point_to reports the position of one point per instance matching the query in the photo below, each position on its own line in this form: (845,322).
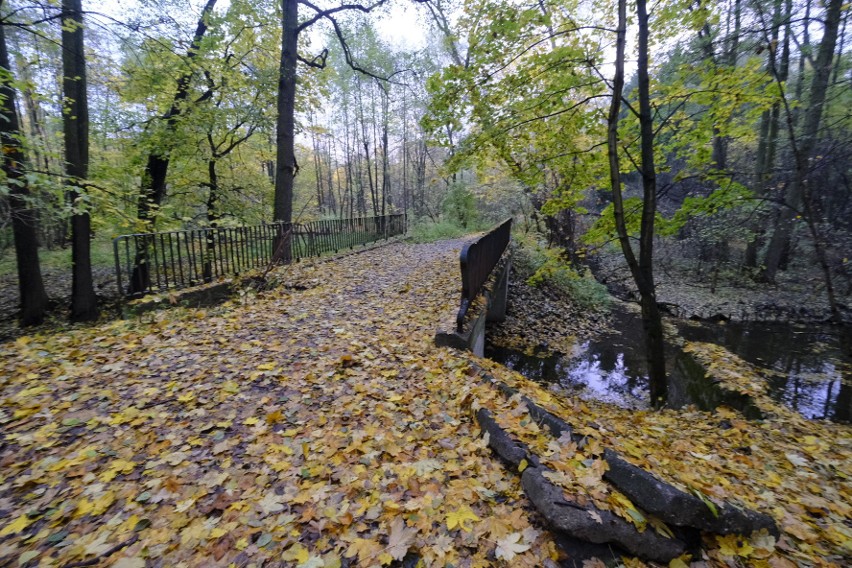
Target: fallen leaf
(458,518)
(400,539)
(510,546)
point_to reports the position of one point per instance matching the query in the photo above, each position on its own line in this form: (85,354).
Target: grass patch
(425,231)
(60,259)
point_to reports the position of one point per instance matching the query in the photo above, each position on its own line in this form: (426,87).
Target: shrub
(460,206)
(548,267)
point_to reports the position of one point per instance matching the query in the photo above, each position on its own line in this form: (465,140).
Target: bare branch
(317,62)
(320,13)
(347,53)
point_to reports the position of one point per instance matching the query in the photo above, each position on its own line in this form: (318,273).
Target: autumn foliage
(316,425)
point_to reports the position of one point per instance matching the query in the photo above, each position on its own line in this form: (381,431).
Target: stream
(812,366)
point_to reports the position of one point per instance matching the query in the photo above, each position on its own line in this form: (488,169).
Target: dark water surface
(813,367)
(813,363)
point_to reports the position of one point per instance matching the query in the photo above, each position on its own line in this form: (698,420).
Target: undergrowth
(427,231)
(545,266)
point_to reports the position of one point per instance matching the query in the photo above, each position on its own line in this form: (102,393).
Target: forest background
(731,159)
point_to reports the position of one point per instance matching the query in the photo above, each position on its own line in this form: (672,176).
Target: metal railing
(478,258)
(171,260)
(318,237)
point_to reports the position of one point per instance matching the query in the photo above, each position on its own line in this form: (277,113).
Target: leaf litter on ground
(319,426)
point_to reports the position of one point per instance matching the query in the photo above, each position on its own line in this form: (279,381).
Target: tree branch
(320,13)
(317,62)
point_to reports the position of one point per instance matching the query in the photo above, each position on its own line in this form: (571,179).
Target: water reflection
(604,375)
(606,370)
(811,368)
(813,365)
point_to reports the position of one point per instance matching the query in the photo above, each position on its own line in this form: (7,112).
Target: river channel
(811,366)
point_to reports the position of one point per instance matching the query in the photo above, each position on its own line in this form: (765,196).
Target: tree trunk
(404,146)
(332,168)
(797,194)
(387,199)
(365,141)
(34,121)
(651,319)
(31,286)
(377,198)
(769,124)
(840,48)
(720,143)
(286,167)
(641,269)
(317,165)
(804,48)
(152,189)
(212,217)
(75,123)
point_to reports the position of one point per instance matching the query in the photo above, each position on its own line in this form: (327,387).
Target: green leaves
(525,93)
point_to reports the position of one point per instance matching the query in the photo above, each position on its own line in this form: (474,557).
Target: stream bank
(599,355)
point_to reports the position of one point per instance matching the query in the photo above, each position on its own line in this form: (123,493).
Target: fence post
(117,264)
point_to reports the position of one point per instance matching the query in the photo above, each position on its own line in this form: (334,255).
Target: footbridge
(485,265)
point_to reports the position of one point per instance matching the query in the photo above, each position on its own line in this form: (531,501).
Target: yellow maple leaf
(194,532)
(126,415)
(458,518)
(510,546)
(364,549)
(16,526)
(84,507)
(115,467)
(103,502)
(733,545)
(217,532)
(296,552)
(24,412)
